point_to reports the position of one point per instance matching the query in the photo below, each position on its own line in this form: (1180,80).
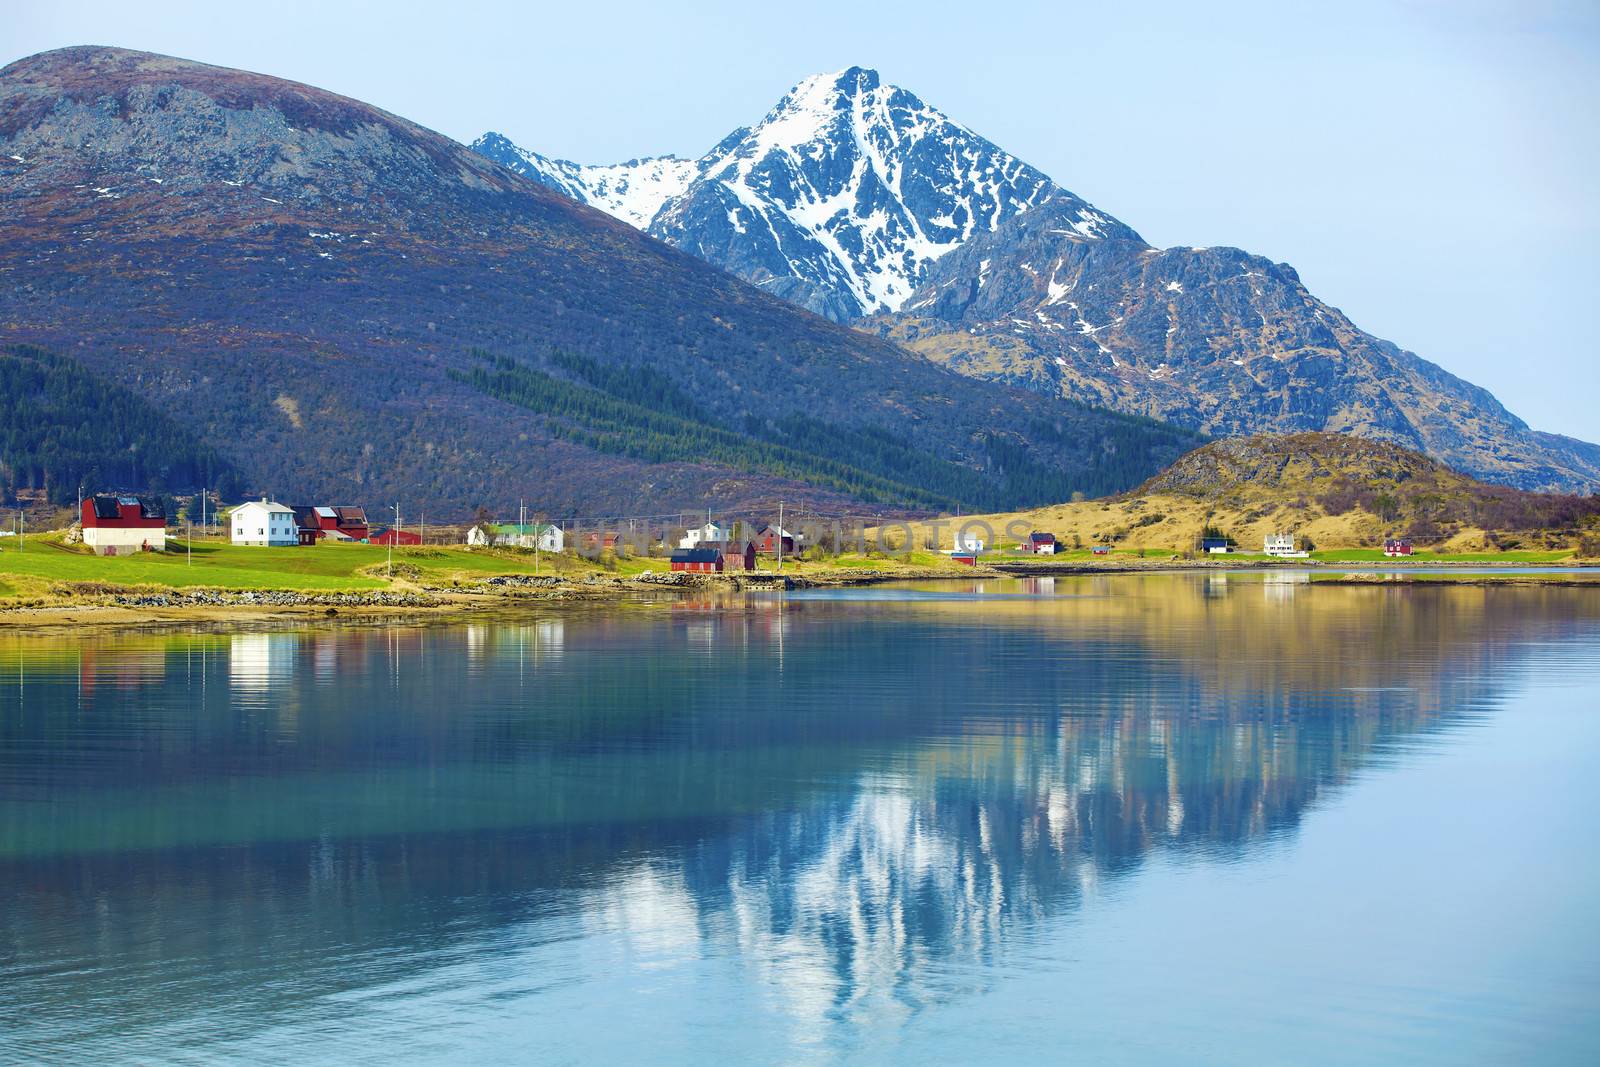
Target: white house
(544,536)
(968,542)
(1282,545)
(263,522)
(709,532)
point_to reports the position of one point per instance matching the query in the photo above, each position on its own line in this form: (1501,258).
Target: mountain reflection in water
(866,806)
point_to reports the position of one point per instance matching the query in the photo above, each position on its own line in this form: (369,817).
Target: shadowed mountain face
(1212,338)
(344,302)
(854,198)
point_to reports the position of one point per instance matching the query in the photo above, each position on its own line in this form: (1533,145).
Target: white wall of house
(969,542)
(121,541)
(709,532)
(263,522)
(1280,545)
(550,538)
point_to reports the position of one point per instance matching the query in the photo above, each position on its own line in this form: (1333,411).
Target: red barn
(1042,544)
(735,558)
(391,536)
(966,559)
(698,560)
(1397,546)
(306,526)
(315,522)
(344,521)
(118,525)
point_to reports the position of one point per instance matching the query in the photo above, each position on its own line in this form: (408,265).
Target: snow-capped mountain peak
(838,199)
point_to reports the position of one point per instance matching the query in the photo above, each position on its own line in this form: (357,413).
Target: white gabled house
(263,522)
(1282,546)
(547,537)
(967,541)
(710,532)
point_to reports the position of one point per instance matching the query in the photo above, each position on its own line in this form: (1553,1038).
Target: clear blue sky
(1428,167)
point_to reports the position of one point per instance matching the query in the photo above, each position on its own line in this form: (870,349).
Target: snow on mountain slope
(838,200)
(633,191)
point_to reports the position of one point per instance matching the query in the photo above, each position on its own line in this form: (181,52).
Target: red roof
(122,512)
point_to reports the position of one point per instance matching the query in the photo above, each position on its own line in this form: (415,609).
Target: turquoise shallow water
(1129,819)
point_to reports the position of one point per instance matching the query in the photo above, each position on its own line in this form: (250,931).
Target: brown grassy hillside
(1334,490)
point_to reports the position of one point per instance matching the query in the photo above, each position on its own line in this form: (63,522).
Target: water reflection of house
(1280,585)
(120,669)
(259,662)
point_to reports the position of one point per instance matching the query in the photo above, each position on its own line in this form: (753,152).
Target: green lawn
(1375,555)
(1075,554)
(219,565)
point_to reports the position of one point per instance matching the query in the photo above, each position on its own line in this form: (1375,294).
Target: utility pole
(779,537)
(392,536)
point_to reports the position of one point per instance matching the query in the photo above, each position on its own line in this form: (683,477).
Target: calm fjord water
(1171,818)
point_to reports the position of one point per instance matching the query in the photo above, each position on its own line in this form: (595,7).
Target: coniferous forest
(63,428)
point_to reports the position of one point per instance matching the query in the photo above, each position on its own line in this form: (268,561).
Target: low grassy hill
(1338,492)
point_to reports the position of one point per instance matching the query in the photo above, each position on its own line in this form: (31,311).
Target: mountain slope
(313,278)
(1212,338)
(851,194)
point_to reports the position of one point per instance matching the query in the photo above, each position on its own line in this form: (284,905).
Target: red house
(306,526)
(1042,544)
(698,560)
(966,559)
(1101,550)
(768,538)
(391,536)
(1397,546)
(118,525)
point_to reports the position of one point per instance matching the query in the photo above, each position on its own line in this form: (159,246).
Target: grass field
(1373,555)
(45,561)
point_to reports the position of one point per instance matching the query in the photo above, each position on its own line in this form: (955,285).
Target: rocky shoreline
(95,604)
